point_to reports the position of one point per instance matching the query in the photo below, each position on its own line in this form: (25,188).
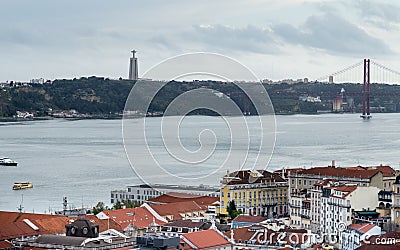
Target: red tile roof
(12,224)
(248,218)
(139,217)
(9,217)
(174,211)
(362,227)
(205,239)
(173,197)
(340,172)
(5,244)
(241,234)
(104,224)
(387,171)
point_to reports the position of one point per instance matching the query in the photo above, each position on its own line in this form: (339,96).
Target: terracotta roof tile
(362,227)
(206,239)
(175,210)
(173,197)
(139,217)
(340,172)
(13,226)
(248,218)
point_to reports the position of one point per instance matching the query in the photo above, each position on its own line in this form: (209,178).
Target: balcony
(339,205)
(269,204)
(304,216)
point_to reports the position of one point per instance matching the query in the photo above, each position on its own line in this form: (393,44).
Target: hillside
(95,95)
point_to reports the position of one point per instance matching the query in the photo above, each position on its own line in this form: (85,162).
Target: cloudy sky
(276,39)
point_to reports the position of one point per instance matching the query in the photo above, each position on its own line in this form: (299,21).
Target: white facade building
(144,192)
(338,202)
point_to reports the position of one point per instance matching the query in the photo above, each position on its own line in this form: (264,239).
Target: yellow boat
(22,185)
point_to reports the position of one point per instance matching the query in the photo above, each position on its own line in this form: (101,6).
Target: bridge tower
(366,90)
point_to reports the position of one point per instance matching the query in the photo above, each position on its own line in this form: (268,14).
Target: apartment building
(340,201)
(260,193)
(305,187)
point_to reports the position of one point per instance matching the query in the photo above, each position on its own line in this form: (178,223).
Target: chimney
(333,163)
(232,238)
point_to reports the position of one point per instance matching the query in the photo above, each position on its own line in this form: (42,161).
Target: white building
(339,201)
(144,192)
(355,234)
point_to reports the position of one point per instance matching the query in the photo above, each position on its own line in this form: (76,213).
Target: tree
(231,209)
(117,205)
(100,206)
(126,204)
(131,204)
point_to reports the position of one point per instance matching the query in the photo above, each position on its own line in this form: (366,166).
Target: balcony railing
(339,205)
(304,216)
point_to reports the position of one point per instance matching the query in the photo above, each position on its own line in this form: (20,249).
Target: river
(85,159)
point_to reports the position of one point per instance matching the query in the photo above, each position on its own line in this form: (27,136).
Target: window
(129,189)
(222,194)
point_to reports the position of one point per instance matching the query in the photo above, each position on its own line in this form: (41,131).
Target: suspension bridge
(366,72)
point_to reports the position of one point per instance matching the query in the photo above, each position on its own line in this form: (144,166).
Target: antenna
(20,208)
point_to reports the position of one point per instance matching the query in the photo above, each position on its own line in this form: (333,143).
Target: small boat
(22,185)
(7,162)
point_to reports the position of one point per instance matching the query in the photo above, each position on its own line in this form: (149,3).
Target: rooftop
(340,172)
(173,197)
(248,218)
(364,228)
(204,239)
(16,225)
(250,177)
(138,217)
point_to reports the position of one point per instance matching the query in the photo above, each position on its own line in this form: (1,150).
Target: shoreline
(107,117)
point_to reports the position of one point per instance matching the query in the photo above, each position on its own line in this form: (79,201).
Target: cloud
(332,34)
(227,38)
(380,14)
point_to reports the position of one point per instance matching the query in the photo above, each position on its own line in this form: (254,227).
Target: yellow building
(258,192)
